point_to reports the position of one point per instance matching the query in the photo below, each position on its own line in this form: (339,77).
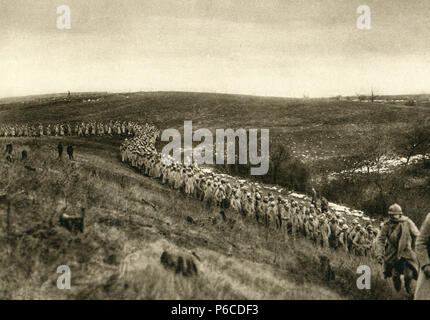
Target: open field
(315,129)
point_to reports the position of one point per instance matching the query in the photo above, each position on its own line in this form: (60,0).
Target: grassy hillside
(125,233)
(319,132)
(118,256)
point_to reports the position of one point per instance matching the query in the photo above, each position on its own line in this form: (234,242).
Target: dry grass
(236,260)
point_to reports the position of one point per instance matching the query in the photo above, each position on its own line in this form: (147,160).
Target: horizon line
(207,92)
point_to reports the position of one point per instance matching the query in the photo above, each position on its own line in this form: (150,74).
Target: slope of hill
(130,220)
(127,227)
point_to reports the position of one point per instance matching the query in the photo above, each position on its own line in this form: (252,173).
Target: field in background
(314,129)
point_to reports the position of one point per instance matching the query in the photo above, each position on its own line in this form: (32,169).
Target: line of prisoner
(93,128)
(391,244)
(248,199)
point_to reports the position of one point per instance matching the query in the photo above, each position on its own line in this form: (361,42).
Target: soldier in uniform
(324,232)
(294,219)
(60,150)
(343,237)
(314,198)
(235,203)
(248,207)
(266,213)
(351,235)
(324,205)
(334,233)
(258,207)
(40,130)
(359,242)
(70,152)
(208,195)
(422,291)
(394,248)
(280,212)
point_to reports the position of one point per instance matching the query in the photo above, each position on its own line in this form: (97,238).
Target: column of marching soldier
(391,244)
(93,128)
(250,200)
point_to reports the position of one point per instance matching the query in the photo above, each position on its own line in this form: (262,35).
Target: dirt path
(102,153)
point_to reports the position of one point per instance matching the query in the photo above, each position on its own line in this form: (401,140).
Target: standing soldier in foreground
(394,248)
(423,251)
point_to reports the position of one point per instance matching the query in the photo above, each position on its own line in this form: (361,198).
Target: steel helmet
(395,209)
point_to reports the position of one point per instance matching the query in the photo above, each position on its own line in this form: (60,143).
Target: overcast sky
(271,47)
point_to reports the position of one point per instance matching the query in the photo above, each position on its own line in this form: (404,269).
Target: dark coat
(395,241)
(422,291)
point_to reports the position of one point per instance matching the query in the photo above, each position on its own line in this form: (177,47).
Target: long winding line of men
(248,199)
(392,244)
(93,128)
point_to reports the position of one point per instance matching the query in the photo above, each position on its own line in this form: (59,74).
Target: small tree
(278,154)
(415,142)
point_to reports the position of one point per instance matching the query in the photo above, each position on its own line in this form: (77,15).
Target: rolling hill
(314,129)
(123,231)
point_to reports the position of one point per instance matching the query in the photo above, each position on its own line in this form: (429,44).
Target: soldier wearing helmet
(235,202)
(334,233)
(351,234)
(248,206)
(324,232)
(343,237)
(394,248)
(258,204)
(360,242)
(314,197)
(423,250)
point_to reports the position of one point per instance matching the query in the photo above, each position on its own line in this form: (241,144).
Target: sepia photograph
(234,152)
